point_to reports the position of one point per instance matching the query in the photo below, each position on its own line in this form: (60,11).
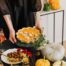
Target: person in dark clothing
(15,14)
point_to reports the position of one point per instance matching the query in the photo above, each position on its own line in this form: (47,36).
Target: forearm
(37,15)
(37,19)
(8,21)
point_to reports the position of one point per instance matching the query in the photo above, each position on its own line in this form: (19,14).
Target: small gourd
(47,7)
(42,62)
(59,63)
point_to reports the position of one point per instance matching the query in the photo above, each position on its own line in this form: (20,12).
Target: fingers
(39,28)
(12,39)
(12,36)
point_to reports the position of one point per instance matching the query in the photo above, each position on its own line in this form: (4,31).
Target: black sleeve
(3,8)
(35,5)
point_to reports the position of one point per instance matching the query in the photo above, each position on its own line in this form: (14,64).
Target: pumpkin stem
(44,57)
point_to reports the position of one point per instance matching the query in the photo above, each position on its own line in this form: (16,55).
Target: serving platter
(36,44)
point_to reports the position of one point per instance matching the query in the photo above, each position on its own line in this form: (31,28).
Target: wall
(47,23)
(63,4)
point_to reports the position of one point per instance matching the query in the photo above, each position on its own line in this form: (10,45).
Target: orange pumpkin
(2,38)
(53,1)
(54,4)
(42,62)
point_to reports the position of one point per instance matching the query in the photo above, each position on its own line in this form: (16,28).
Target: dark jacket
(21,12)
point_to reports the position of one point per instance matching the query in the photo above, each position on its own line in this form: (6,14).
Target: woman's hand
(37,25)
(12,36)
(38,21)
(8,21)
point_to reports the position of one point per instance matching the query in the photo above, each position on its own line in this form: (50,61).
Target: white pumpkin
(63,63)
(53,52)
(59,63)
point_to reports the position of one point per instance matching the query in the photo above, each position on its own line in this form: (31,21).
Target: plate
(4,58)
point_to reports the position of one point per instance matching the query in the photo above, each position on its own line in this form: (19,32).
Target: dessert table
(36,54)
